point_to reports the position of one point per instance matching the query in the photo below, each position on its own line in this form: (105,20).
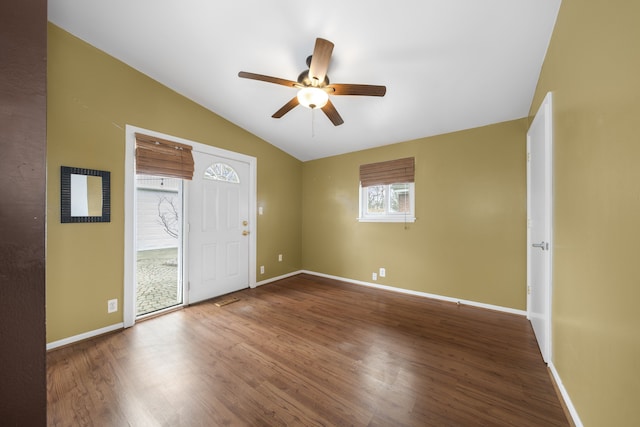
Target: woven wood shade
(390,172)
(156,156)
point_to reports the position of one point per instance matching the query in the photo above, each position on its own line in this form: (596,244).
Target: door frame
(129,297)
(545,113)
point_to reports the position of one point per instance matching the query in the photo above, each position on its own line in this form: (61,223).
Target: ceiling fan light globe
(313,97)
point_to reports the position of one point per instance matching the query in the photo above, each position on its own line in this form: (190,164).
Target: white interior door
(218,227)
(539,232)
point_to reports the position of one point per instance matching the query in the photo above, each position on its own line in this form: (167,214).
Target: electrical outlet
(262,269)
(280,257)
(374,276)
(383,272)
(112,306)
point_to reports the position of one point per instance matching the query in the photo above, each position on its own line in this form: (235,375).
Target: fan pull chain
(313,121)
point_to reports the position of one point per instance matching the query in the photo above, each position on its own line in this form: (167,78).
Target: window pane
(221,172)
(375,199)
(399,198)
(387,203)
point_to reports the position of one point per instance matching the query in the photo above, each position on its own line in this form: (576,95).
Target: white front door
(218,227)
(539,214)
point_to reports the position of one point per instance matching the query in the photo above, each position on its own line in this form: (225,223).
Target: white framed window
(388,203)
(222,172)
(387,191)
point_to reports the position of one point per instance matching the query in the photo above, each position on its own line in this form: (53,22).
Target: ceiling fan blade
(331,112)
(286,108)
(362,90)
(269,79)
(320,60)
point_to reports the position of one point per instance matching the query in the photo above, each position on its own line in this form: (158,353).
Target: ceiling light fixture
(314,87)
(313,97)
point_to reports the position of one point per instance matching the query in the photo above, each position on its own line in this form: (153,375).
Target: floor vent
(227,301)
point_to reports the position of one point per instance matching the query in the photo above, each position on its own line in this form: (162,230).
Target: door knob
(245,233)
(541,245)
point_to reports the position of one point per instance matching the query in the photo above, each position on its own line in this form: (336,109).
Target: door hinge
(528,223)
(528,290)
(528,157)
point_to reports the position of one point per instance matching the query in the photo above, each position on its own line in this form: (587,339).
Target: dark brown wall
(23,50)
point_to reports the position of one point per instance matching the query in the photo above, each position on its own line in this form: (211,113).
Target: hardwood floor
(309,351)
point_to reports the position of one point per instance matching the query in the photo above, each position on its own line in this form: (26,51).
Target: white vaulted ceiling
(448,65)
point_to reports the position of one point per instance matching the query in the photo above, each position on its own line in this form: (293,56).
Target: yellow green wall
(593,69)
(469,240)
(91,98)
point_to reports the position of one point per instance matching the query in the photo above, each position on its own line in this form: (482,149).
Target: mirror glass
(85,195)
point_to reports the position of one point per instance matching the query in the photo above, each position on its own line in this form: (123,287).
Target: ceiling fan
(314,87)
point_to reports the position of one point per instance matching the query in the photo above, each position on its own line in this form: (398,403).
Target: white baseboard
(84,336)
(556,376)
(565,396)
(420,294)
(107,329)
(275,279)
(91,334)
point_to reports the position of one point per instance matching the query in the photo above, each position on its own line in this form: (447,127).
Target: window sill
(388,219)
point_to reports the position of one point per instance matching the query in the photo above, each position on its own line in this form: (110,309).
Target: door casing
(129,297)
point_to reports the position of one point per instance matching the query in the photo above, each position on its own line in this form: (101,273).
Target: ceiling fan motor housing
(307,81)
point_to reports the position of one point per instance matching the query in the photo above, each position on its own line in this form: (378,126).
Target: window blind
(389,172)
(156,156)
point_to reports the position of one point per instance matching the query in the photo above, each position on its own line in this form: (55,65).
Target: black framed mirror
(85,195)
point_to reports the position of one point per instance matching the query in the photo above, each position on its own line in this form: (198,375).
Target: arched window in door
(222,172)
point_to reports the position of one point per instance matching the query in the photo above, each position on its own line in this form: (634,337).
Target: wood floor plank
(309,351)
